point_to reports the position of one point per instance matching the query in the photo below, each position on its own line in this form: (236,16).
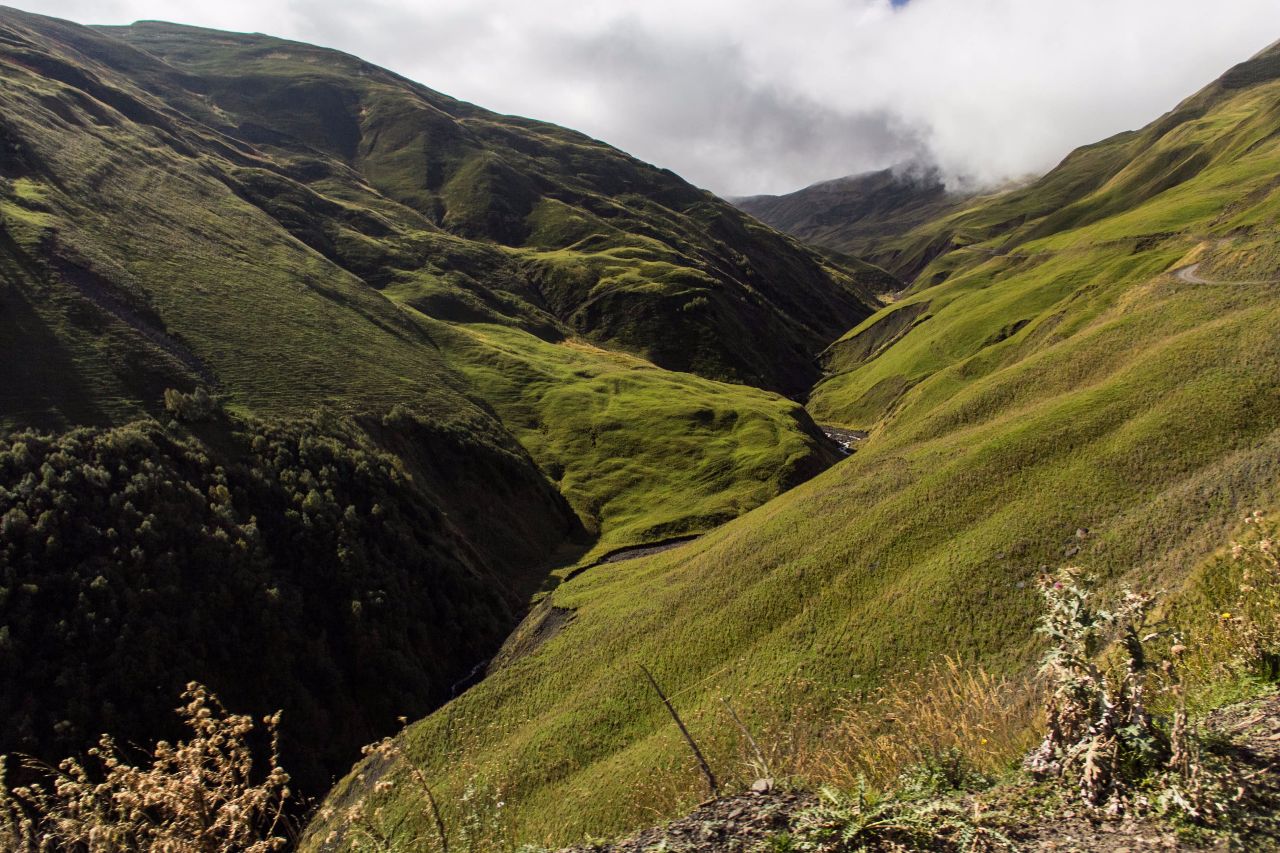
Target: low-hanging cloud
(772,95)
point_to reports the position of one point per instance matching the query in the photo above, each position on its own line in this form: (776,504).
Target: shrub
(192,408)
(869,820)
(1100,735)
(1254,626)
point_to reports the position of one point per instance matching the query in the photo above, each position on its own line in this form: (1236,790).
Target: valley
(154,235)
(416,421)
(1055,378)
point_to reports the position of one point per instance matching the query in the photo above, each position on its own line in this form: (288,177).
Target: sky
(767,96)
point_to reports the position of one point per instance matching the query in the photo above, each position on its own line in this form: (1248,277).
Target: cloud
(771,95)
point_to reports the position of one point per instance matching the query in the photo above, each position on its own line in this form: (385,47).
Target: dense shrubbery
(288,565)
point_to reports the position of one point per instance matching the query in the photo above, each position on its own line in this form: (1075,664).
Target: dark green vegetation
(294,564)
(865,215)
(395,292)
(1048,390)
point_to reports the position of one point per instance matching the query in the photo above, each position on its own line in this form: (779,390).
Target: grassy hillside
(1048,391)
(609,247)
(1195,186)
(321,243)
(138,267)
(642,454)
(143,248)
(296,228)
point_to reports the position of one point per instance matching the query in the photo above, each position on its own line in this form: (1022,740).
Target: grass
(1059,394)
(198,264)
(1066,400)
(314,270)
(427,162)
(606,427)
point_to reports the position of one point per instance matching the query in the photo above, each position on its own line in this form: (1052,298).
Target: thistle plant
(1098,730)
(870,820)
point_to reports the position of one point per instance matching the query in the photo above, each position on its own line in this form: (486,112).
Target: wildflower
(1225,615)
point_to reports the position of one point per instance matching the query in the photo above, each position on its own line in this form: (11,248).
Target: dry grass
(945,712)
(947,715)
(197,796)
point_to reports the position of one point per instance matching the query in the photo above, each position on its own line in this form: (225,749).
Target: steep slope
(863,215)
(1200,137)
(640,453)
(348,572)
(1196,185)
(169,226)
(144,249)
(1061,394)
(123,242)
(608,246)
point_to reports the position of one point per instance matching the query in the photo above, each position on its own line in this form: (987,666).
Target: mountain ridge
(864,214)
(477,195)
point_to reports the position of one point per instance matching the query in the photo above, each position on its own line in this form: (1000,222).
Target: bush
(1101,737)
(138,558)
(1254,626)
(192,408)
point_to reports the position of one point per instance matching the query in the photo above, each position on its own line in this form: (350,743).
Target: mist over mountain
(773,97)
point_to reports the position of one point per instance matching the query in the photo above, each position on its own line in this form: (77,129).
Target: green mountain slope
(864,215)
(395,287)
(572,230)
(146,248)
(1051,389)
(640,453)
(1196,185)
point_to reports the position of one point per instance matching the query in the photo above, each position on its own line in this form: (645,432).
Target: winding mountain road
(1190,275)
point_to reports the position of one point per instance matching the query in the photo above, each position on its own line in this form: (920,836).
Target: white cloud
(769,95)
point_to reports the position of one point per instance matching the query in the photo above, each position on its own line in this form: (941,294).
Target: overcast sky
(751,96)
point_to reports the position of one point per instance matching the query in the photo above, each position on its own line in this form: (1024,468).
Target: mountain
(462,213)
(1087,371)
(1192,186)
(310,375)
(863,215)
